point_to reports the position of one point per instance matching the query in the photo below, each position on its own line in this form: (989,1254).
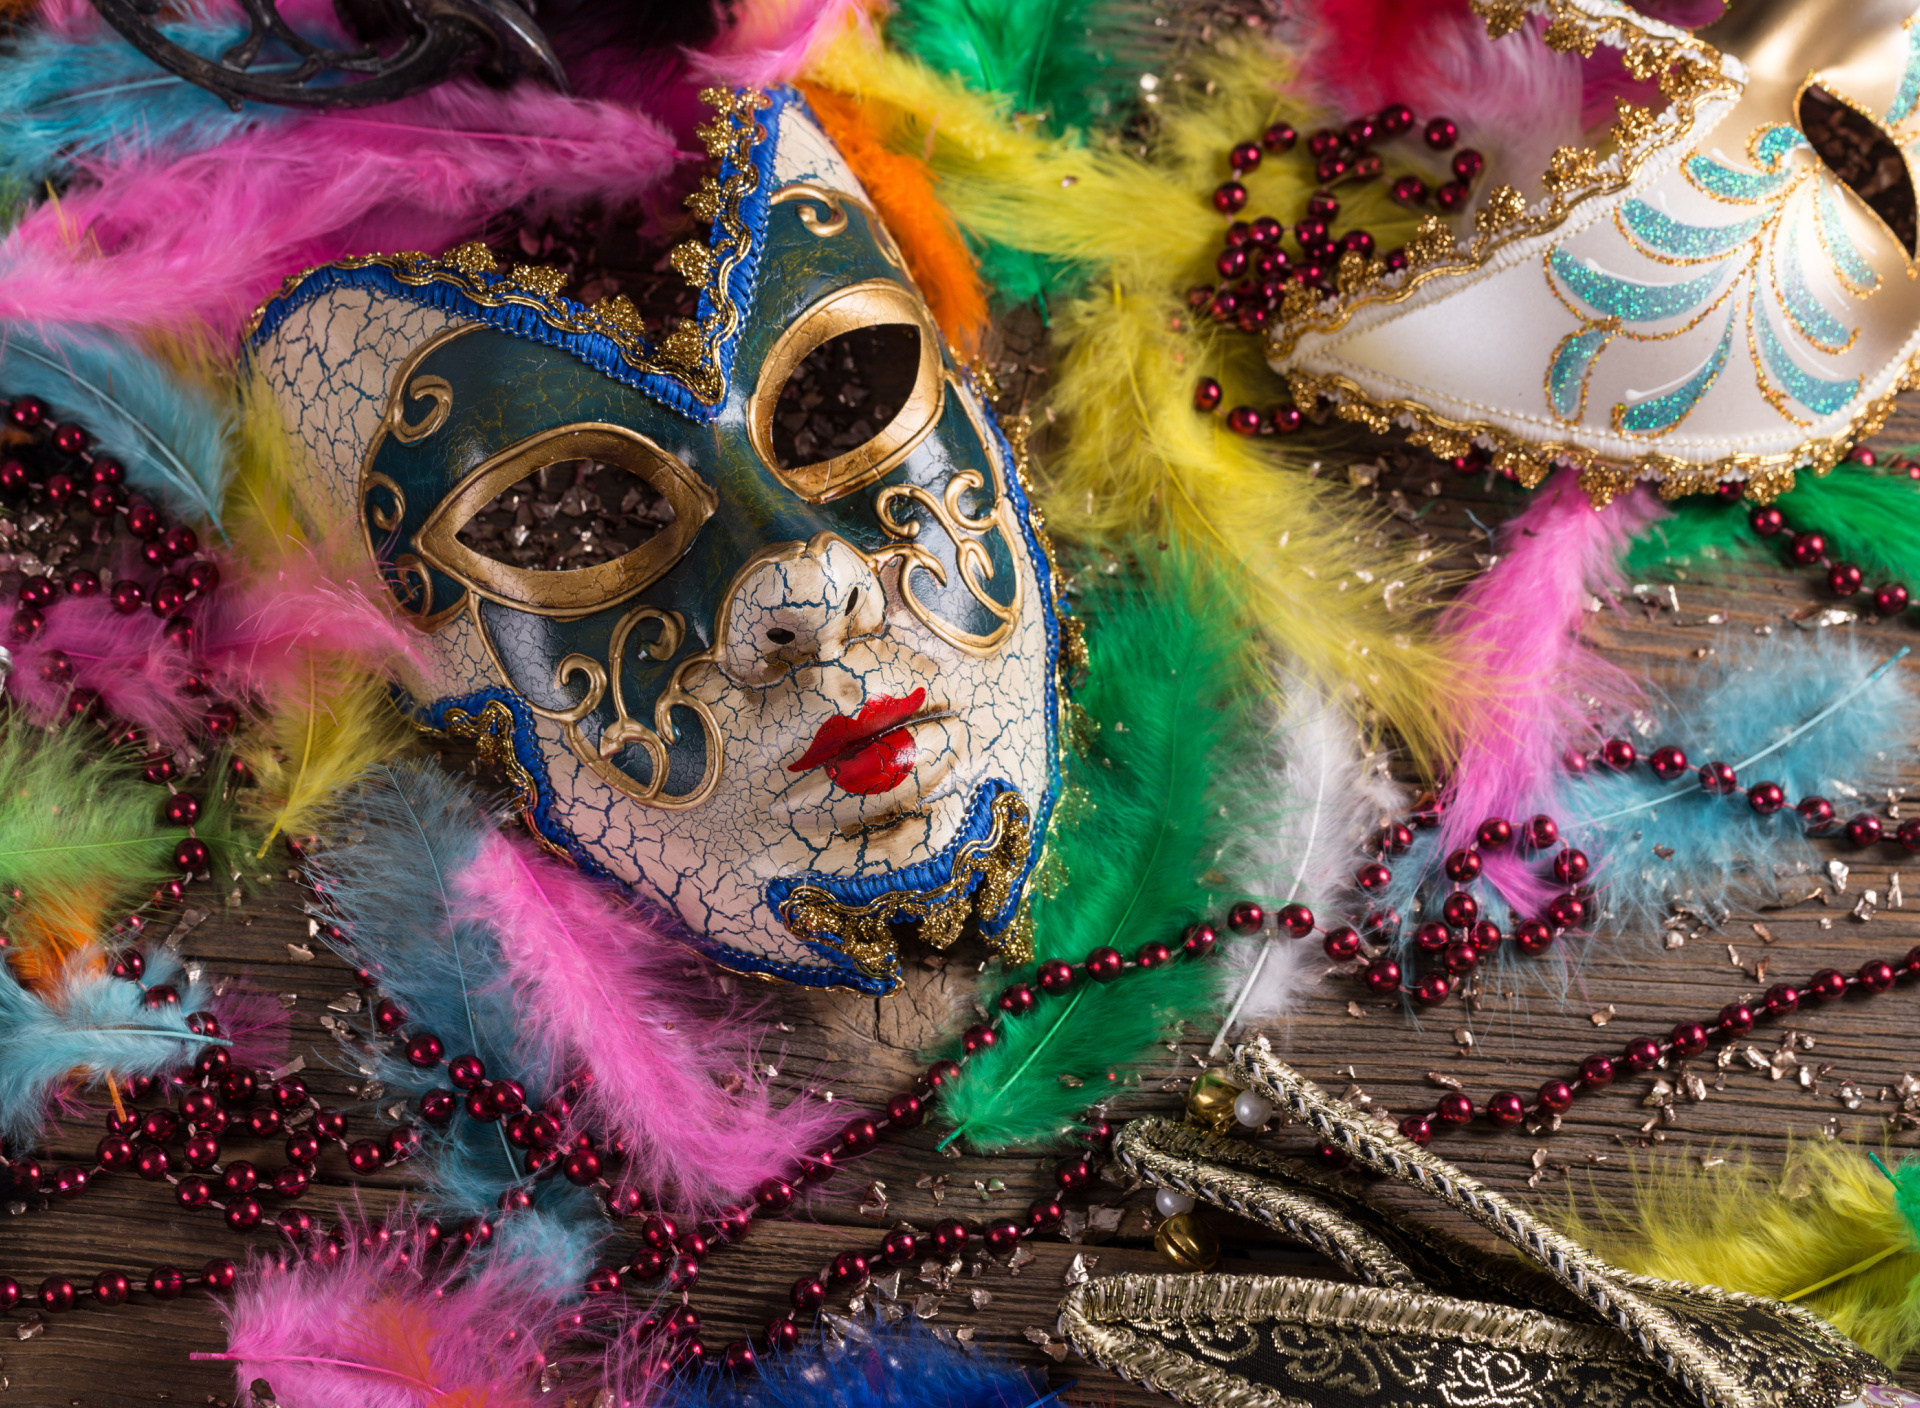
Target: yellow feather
(1129,455)
(1827,1220)
(335,719)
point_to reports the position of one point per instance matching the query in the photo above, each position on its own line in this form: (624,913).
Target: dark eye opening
(1862,155)
(845,392)
(568,514)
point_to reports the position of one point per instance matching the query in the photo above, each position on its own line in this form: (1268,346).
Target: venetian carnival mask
(1697,298)
(805,696)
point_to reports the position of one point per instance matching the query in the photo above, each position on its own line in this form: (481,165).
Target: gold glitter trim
(1766,476)
(491,733)
(865,932)
(690,353)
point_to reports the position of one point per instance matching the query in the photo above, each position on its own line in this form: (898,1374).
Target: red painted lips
(870,752)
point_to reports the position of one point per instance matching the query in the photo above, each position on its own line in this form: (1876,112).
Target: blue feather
(906,1366)
(414,829)
(98,1026)
(1754,697)
(171,435)
(65,102)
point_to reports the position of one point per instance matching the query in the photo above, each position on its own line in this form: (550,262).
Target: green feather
(1143,820)
(82,838)
(1868,516)
(1699,538)
(1077,63)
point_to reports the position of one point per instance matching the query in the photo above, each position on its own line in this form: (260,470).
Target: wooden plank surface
(864,1049)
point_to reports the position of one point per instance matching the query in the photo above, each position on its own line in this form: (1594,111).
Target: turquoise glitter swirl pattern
(1784,220)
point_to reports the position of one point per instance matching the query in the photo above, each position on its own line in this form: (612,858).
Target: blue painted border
(594,349)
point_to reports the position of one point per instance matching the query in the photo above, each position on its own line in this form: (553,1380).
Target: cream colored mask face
(1698,298)
(812,709)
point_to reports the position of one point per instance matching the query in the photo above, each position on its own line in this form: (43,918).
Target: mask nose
(800,604)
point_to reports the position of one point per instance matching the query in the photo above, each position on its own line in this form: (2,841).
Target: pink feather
(1520,625)
(255,1022)
(199,242)
(1514,99)
(259,638)
(599,978)
(771,42)
(367,1330)
(126,659)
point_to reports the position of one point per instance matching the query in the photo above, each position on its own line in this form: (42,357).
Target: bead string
(1506,1109)
(1808,547)
(1255,269)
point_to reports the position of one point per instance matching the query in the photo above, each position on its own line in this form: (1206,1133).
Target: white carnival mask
(1699,298)
(804,696)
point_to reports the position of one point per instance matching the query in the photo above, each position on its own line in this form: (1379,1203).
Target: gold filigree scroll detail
(975,563)
(690,353)
(625,729)
(834,201)
(865,932)
(491,733)
(422,388)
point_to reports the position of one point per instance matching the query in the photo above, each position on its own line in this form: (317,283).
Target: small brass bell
(1210,1102)
(1188,1242)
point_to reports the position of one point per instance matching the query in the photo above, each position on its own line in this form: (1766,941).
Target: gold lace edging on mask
(690,353)
(865,932)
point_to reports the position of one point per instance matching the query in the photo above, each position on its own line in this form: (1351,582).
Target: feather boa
(1520,622)
(88,1024)
(507,954)
(1831,1232)
(1144,818)
(401,1326)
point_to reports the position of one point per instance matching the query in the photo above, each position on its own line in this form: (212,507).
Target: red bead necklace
(1254,267)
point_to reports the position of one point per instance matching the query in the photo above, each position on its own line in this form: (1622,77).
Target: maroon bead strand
(1255,269)
(1808,547)
(1507,1109)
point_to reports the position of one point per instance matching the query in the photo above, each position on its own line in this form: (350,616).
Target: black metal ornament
(407,46)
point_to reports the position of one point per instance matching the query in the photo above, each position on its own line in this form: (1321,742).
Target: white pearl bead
(1172,1204)
(1252,1110)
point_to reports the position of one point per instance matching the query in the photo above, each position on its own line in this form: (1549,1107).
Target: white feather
(1326,796)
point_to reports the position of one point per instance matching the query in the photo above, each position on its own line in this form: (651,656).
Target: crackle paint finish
(662,702)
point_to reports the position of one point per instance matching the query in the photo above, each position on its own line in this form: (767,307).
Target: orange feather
(902,189)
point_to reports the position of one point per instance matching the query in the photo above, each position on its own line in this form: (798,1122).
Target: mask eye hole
(844,392)
(568,514)
(814,417)
(1862,155)
(652,503)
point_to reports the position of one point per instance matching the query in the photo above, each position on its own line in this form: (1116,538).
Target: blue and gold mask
(804,695)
